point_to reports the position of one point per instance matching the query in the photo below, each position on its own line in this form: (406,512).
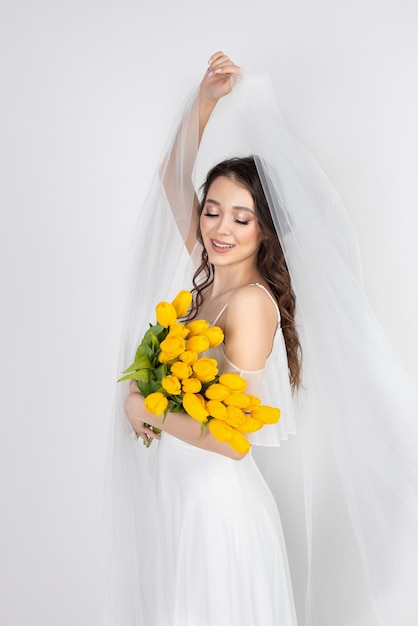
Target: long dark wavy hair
(271,262)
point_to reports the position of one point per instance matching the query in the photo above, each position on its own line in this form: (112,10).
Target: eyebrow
(236,207)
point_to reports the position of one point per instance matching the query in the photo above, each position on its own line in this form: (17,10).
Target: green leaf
(148,387)
(143,375)
(155,343)
(144,388)
(157,329)
(202,428)
(160,371)
(148,351)
(152,336)
(141,362)
(178,405)
(139,352)
(131,376)
(147,340)
(165,413)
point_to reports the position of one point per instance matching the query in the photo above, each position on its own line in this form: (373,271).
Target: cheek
(255,237)
(202,226)
(205,225)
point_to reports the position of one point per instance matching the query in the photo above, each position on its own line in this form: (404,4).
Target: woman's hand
(138,416)
(217,81)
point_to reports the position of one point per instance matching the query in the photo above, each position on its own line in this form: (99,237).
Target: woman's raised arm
(176,172)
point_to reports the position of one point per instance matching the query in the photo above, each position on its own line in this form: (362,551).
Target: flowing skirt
(219,553)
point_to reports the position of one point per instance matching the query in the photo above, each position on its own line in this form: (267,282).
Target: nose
(224,225)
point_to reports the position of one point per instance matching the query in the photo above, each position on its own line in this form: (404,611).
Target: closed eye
(211,214)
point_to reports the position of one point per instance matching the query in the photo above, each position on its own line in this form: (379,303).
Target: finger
(222,62)
(133,387)
(220,59)
(215,56)
(146,438)
(142,436)
(225,70)
(147,432)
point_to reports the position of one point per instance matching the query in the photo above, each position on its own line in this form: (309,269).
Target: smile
(218,245)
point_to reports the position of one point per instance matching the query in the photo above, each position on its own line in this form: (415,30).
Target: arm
(179,425)
(249,337)
(176,172)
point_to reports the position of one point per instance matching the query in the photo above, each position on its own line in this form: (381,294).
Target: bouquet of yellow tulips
(173,377)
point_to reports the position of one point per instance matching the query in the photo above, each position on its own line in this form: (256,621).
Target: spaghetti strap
(251,285)
(219,314)
(270,296)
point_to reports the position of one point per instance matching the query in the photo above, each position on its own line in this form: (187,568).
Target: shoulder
(250,326)
(253,301)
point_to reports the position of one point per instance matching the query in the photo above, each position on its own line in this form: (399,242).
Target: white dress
(221,553)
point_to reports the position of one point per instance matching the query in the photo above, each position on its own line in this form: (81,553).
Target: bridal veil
(347,483)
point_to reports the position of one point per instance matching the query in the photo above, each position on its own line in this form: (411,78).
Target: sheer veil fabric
(347,484)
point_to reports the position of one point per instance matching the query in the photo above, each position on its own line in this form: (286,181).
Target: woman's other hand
(217,80)
(138,416)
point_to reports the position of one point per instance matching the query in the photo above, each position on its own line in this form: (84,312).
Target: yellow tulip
(191,385)
(240,443)
(205,369)
(233,381)
(166,314)
(234,416)
(250,425)
(215,336)
(156,403)
(198,343)
(182,302)
(172,385)
(217,392)
(181,370)
(194,405)
(266,414)
(254,402)
(189,357)
(220,430)
(241,400)
(216,409)
(197,327)
(178,330)
(172,347)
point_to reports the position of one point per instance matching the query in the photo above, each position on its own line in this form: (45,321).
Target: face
(229,225)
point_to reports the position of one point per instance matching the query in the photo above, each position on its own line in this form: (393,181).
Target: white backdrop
(89,88)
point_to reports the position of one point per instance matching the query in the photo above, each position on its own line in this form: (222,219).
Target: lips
(221,246)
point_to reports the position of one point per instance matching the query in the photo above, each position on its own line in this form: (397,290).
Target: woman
(226,520)
(348,488)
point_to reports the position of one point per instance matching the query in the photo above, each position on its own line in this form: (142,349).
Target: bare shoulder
(253,300)
(250,326)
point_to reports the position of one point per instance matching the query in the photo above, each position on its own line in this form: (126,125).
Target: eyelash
(244,223)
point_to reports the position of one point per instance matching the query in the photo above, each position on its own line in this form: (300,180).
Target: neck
(228,279)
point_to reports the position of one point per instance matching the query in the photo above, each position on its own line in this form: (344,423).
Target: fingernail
(209,73)
(218,71)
